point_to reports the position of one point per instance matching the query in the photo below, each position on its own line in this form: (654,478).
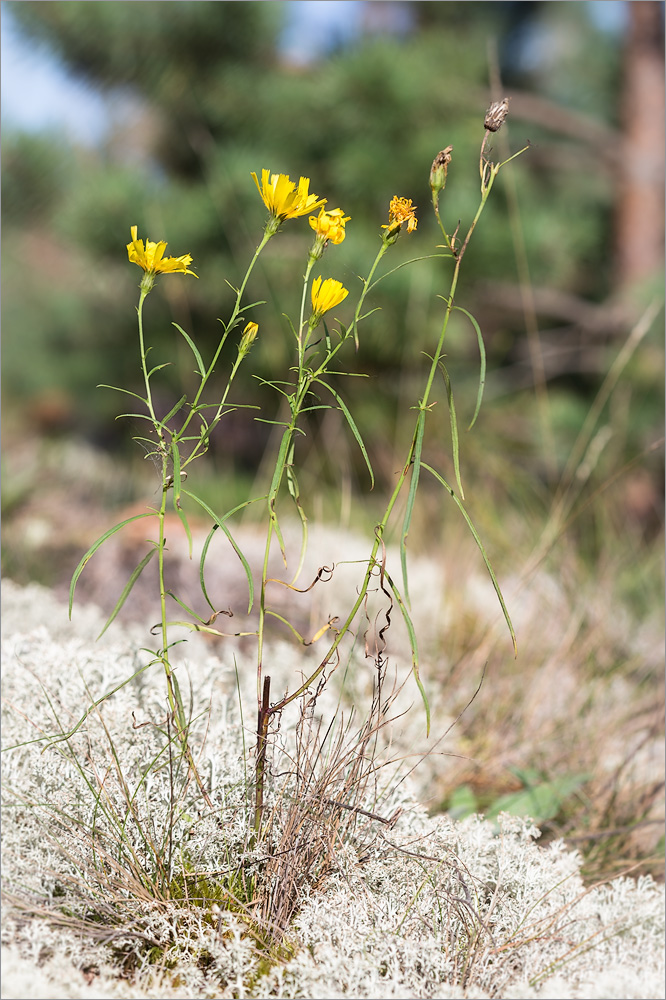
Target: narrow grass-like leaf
(183,518)
(294,492)
(327,336)
(291,325)
(93,549)
(220,521)
(127,392)
(152,451)
(411,631)
(193,348)
(411,497)
(175,455)
(246,308)
(481,549)
(156,850)
(369,313)
(157,368)
(406,263)
(136,573)
(281,460)
(137,416)
(202,563)
(185,607)
(454,427)
(119,822)
(207,630)
(354,429)
(149,441)
(304,642)
(174,409)
(482,366)
(66,735)
(278,534)
(273,383)
(175,686)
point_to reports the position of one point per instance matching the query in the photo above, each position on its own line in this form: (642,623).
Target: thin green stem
(366,288)
(303,343)
(173,693)
(144,367)
(227,330)
(296,401)
(202,444)
(281,463)
(160,565)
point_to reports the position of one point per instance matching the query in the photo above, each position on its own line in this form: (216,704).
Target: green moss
(234,892)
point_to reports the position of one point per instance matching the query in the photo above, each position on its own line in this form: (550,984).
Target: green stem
(303,343)
(447,239)
(296,403)
(173,692)
(366,288)
(144,367)
(304,380)
(202,444)
(227,330)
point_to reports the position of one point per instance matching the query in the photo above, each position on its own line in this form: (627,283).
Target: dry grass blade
(323,805)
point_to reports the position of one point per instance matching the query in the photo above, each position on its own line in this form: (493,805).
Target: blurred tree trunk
(640,211)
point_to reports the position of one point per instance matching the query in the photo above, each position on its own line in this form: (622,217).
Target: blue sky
(38,93)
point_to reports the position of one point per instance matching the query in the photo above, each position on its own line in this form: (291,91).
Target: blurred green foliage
(364,123)
(540,798)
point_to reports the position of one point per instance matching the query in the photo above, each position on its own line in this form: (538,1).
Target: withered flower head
(496,115)
(444,158)
(439,168)
(401,211)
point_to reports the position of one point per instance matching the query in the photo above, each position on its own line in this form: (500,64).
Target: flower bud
(249,335)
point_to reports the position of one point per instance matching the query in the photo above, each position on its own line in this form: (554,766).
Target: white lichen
(422,907)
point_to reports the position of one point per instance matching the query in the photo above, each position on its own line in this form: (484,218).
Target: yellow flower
(283,199)
(330,226)
(401,210)
(325,296)
(152,258)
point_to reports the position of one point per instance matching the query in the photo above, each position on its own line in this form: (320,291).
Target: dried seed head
(496,115)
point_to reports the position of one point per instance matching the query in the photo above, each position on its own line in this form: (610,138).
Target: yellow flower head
(325,295)
(401,211)
(152,259)
(330,226)
(283,199)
